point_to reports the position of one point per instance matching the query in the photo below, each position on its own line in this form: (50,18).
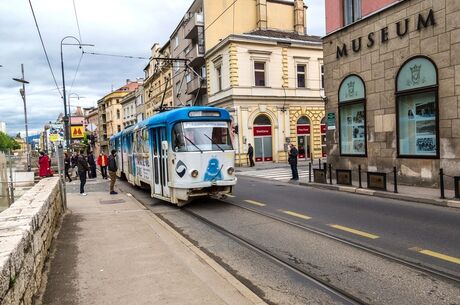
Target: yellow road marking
(255,203)
(441,256)
(231,196)
(357,232)
(296,215)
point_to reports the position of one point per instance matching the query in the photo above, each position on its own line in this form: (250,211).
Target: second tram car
(181,154)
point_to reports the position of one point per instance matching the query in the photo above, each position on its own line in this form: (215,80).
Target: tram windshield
(201,136)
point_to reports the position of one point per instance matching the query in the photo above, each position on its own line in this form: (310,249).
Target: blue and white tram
(181,154)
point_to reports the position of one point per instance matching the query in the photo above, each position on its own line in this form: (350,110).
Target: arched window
(352,116)
(262,120)
(417,109)
(303,121)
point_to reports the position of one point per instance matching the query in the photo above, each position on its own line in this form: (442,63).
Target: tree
(7,142)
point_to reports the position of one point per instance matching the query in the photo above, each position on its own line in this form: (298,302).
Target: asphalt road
(426,234)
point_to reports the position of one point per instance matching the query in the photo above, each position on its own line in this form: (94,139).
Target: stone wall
(26,232)
(378,64)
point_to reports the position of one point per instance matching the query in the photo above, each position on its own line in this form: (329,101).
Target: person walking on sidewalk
(92,165)
(113,171)
(67,166)
(293,152)
(102,161)
(251,155)
(83,167)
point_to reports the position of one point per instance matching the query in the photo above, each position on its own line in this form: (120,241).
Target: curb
(367,192)
(240,287)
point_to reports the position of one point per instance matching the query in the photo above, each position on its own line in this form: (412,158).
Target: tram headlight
(194,173)
(230,170)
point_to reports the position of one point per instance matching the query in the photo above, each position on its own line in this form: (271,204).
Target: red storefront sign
(262,131)
(303,129)
(323,128)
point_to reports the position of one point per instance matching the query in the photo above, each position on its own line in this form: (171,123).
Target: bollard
(330,173)
(319,163)
(395,178)
(309,172)
(325,170)
(441,183)
(359,177)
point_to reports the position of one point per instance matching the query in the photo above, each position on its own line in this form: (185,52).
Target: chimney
(299,17)
(261,9)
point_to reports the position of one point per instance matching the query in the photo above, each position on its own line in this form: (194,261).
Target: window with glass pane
(351,11)
(322,77)
(352,115)
(417,109)
(219,78)
(259,73)
(301,76)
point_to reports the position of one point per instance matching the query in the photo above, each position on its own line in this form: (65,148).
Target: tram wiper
(213,142)
(193,143)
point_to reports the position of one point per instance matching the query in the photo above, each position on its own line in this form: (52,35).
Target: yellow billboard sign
(77,132)
(54,137)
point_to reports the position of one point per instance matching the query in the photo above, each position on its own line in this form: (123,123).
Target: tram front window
(201,136)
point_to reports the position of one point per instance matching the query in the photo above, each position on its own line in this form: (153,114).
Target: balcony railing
(191,27)
(196,55)
(194,85)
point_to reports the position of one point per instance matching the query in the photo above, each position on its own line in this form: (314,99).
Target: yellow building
(268,73)
(157,78)
(110,113)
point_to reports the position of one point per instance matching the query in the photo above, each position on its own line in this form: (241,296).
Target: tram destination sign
(401,28)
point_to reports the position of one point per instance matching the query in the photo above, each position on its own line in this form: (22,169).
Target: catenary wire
(76,72)
(44,48)
(76,18)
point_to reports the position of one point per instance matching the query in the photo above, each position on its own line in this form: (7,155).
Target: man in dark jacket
(251,155)
(92,165)
(293,152)
(113,171)
(83,167)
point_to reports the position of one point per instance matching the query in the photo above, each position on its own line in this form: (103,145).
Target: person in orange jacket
(103,161)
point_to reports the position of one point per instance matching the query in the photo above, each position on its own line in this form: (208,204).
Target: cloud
(114,26)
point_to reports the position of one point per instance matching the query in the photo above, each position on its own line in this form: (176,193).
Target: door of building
(303,138)
(263,143)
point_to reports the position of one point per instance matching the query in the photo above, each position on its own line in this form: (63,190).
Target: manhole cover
(114,201)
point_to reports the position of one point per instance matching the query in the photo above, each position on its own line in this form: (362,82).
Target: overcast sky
(113,26)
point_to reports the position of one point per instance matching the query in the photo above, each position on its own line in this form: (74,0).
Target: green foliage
(7,142)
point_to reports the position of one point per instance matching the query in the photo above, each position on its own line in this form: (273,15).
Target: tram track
(432,271)
(344,296)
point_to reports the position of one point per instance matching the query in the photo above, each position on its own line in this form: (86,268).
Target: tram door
(160,162)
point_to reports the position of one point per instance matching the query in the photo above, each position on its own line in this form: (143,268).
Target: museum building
(392,83)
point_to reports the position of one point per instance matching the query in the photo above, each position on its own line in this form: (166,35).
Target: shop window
(259,73)
(352,116)
(417,109)
(351,11)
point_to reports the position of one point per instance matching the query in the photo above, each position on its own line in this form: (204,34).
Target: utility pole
(22,91)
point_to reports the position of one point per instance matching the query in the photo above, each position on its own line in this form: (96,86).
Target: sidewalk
(408,193)
(112,250)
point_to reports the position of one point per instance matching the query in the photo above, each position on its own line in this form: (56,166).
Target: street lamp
(22,91)
(66,118)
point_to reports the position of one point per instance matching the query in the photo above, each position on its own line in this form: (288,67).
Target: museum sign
(401,28)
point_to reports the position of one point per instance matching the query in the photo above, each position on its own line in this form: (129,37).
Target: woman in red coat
(44,162)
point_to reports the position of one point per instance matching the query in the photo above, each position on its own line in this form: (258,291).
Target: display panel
(353,129)
(418,124)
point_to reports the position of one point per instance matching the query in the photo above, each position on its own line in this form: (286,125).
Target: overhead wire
(116,55)
(76,72)
(44,48)
(76,18)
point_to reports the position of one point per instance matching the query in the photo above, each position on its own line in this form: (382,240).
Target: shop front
(263,141)
(303,138)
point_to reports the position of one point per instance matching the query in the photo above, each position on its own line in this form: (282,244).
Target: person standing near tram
(251,155)
(293,153)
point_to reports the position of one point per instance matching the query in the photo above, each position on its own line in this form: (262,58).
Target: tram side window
(178,138)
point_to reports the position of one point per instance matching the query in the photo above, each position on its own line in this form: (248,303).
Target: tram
(180,154)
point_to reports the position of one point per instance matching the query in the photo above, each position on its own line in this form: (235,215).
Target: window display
(417,112)
(352,116)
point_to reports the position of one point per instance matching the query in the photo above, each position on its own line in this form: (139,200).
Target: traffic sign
(77,132)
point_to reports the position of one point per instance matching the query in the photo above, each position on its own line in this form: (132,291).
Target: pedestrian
(251,155)
(102,161)
(73,163)
(113,171)
(293,153)
(44,165)
(92,165)
(82,166)
(67,166)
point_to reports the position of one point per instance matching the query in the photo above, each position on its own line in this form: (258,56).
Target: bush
(7,143)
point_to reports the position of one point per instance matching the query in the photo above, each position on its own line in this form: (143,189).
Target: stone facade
(378,63)
(26,231)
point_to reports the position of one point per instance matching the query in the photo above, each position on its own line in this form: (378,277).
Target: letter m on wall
(341,52)
(422,22)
